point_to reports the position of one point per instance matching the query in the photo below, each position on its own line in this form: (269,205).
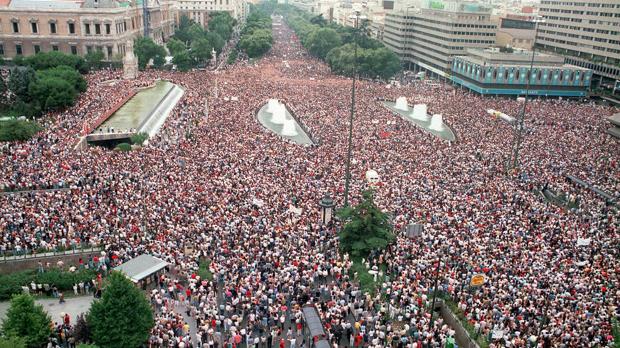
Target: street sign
(477,280)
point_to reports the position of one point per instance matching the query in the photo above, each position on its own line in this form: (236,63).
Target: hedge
(11,284)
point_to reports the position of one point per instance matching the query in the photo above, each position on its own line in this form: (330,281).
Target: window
(561,76)
(73,49)
(108,31)
(18,49)
(53,28)
(539,75)
(15,27)
(55,48)
(1,49)
(109,51)
(37,49)
(71,28)
(89,49)
(517,74)
(98,29)
(34,27)
(87,29)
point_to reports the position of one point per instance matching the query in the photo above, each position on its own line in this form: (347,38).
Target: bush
(139,138)
(123,147)
(232,57)
(47,60)
(27,320)
(12,342)
(10,284)
(15,130)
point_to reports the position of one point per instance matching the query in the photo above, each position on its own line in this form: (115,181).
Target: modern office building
(585,32)
(429,38)
(515,31)
(80,26)
(198,10)
(491,71)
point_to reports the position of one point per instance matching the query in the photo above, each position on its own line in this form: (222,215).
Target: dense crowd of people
(214,187)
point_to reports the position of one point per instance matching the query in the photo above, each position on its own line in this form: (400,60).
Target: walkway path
(74,306)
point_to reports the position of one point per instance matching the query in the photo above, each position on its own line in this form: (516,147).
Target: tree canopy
(122,317)
(146,49)
(367,228)
(28,321)
(335,44)
(256,38)
(323,40)
(47,60)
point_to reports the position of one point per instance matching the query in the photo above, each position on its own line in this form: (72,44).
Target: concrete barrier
(460,334)
(10,264)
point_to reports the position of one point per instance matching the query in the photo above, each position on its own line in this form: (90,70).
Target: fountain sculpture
(401,104)
(419,112)
(289,129)
(272,104)
(437,123)
(279,114)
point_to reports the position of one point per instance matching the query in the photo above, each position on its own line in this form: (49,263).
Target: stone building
(80,26)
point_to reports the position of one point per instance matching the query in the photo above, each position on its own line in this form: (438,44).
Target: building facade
(490,71)
(78,27)
(428,39)
(198,10)
(585,32)
(515,32)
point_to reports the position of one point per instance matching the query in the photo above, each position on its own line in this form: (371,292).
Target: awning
(141,267)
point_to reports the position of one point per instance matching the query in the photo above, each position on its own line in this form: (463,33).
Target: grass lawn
(367,282)
(203,270)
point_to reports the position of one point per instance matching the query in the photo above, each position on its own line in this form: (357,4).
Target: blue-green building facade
(493,72)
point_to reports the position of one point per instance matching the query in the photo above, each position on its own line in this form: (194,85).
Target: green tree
(175,46)
(12,342)
(122,317)
(367,228)
(381,62)
(183,61)
(27,320)
(323,40)
(146,49)
(81,331)
(342,59)
(47,60)
(222,24)
(14,130)
(257,43)
(65,73)
(19,80)
(181,33)
(195,32)
(201,50)
(94,58)
(52,93)
(215,40)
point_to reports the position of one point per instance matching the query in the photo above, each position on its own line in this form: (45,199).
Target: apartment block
(78,27)
(429,38)
(585,32)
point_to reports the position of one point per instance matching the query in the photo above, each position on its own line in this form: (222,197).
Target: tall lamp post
(514,156)
(406,44)
(327,209)
(350,147)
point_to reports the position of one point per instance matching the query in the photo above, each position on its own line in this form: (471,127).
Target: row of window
(19,50)
(34,27)
(538,74)
(89,29)
(569,3)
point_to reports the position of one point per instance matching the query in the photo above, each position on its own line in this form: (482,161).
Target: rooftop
(519,57)
(141,267)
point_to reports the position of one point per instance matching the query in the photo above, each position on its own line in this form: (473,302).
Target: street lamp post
(405,49)
(327,209)
(521,120)
(350,147)
(430,325)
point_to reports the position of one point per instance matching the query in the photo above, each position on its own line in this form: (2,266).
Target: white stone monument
(130,62)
